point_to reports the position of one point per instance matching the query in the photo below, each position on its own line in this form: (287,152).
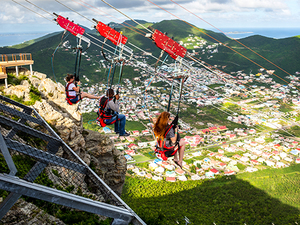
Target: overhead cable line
(97,11)
(190,56)
(74,11)
(33,11)
(230,37)
(217,40)
(39,7)
(126,15)
(84,17)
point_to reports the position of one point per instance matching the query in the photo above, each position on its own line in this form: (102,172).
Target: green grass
(140,158)
(134,125)
(285,107)
(263,197)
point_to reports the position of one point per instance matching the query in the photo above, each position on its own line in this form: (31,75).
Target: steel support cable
(217,41)
(74,11)
(126,16)
(33,11)
(113,52)
(133,27)
(190,89)
(70,9)
(126,27)
(229,36)
(194,60)
(121,24)
(230,98)
(39,8)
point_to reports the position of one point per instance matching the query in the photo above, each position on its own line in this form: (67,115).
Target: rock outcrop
(25,213)
(92,147)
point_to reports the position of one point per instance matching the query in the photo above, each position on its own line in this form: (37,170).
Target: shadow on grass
(223,200)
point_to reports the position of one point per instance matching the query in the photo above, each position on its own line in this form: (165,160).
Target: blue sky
(221,13)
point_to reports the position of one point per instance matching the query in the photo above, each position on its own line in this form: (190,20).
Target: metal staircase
(23,137)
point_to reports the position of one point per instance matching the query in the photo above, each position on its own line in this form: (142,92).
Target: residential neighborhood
(265,108)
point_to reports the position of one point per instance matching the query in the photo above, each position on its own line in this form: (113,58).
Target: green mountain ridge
(282,52)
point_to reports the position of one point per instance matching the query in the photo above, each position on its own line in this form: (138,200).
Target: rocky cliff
(93,147)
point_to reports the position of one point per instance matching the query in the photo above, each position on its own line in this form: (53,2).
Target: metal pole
(169,104)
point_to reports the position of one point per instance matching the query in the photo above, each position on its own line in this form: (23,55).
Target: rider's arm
(114,105)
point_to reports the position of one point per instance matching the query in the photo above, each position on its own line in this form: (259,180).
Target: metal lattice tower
(23,137)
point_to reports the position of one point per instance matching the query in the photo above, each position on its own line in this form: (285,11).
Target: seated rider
(161,126)
(72,91)
(118,119)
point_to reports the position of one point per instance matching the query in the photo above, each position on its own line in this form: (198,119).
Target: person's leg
(110,121)
(122,121)
(117,125)
(181,151)
(86,95)
(176,156)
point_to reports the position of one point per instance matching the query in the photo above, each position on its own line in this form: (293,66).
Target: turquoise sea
(8,39)
(277,33)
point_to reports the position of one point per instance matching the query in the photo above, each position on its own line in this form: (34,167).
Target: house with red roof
(171,179)
(215,171)
(254,162)
(194,145)
(130,152)
(237,156)
(232,136)
(132,146)
(222,165)
(136,132)
(266,155)
(145,132)
(204,131)
(221,128)
(229,172)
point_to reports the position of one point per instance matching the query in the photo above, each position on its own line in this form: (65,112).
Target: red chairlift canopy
(168,45)
(111,34)
(69,26)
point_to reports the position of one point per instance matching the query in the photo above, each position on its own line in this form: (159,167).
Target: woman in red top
(160,128)
(72,90)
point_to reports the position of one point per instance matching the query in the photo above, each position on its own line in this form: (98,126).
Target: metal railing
(33,152)
(15,57)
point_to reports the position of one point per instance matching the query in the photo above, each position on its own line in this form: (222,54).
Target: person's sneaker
(125,134)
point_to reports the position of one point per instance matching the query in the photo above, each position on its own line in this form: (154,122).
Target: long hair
(160,125)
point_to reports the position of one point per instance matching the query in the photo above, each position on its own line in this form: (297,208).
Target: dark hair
(69,77)
(110,93)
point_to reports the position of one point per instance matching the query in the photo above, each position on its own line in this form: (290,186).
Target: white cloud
(221,13)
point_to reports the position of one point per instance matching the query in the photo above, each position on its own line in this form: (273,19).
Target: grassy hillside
(264,197)
(281,52)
